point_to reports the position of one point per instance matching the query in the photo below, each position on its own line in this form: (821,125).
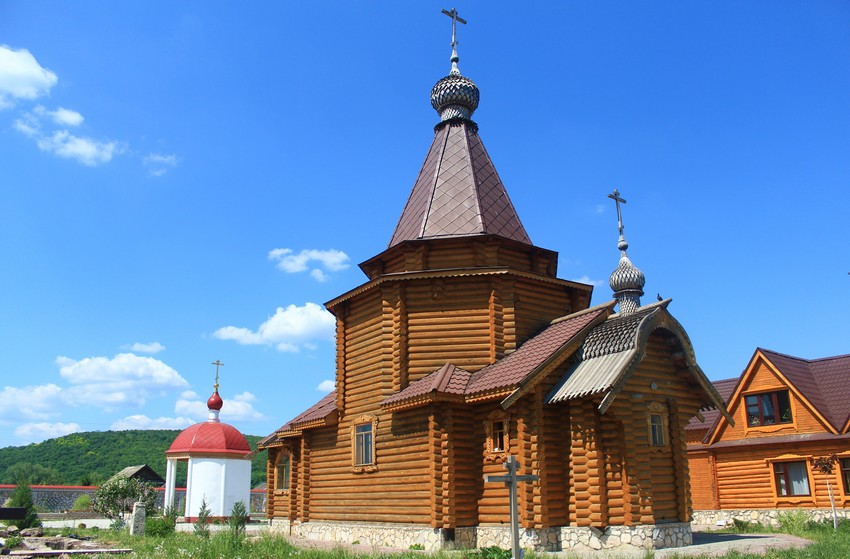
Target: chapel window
(498,438)
(363,443)
(656,424)
(768,408)
(792,478)
(282,473)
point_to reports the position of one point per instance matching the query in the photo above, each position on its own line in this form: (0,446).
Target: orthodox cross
(217,364)
(510,480)
(617,200)
(455,18)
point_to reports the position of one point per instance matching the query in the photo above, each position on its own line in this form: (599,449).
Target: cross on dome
(626,280)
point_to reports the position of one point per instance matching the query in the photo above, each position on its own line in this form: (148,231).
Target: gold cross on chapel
(217,364)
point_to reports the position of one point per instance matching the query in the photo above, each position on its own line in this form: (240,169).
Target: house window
(768,408)
(845,474)
(792,478)
(498,439)
(656,430)
(282,473)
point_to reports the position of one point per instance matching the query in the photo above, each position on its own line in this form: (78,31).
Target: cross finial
(455,18)
(622,245)
(217,364)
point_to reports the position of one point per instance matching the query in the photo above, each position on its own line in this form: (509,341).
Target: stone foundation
(434,539)
(722,518)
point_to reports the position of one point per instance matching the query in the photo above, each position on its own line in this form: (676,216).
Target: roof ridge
(610,304)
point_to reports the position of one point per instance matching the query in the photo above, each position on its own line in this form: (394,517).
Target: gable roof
(612,350)
(458,192)
(142,472)
(447,380)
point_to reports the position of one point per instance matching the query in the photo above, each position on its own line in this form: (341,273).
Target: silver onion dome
(455,96)
(627,281)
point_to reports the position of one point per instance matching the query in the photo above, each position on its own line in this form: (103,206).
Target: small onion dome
(210,438)
(215,402)
(627,282)
(455,96)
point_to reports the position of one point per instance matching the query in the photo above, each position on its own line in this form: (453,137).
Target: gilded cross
(455,18)
(217,364)
(617,200)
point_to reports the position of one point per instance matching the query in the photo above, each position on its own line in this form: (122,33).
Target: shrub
(201,528)
(792,522)
(14,541)
(238,519)
(83,502)
(159,526)
(115,498)
(22,497)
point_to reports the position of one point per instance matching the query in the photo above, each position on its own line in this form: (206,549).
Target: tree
(826,465)
(22,497)
(201,528)
(115,498)
(33,474)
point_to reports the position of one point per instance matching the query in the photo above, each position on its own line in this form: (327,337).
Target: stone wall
(720,518)
(435,539)
(59,498)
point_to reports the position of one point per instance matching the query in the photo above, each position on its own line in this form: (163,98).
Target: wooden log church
(463,348)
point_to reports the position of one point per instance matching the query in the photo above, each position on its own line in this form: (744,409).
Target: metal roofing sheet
(591,376)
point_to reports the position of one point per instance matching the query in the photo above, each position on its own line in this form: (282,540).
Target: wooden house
(462,348)
(788,411)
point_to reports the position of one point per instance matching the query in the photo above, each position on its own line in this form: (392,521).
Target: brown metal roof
(458,192)
(823,382)
(448,379)
(513,369)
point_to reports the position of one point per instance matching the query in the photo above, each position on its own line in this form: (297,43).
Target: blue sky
(182,182)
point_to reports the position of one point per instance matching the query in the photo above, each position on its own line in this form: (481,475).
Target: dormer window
(768,408)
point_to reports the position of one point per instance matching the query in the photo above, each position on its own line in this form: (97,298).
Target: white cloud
(152,347)
(126,379)
(235,408)
(586,279)
(61,116)
(31,402)
(288,329)
(26,127)
(159,164)
(87,151)
(326,386)
(331,260)
(41,431)
(600,208)
(22,77)
(145,422)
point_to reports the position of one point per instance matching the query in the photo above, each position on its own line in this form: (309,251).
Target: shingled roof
(823,382)
(447,380)
(458,192)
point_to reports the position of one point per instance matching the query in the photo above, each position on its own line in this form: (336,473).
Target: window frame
(779,411)
(786,477)
(283,473)
(844,473)
(361,445)
(496,424)
(662,428)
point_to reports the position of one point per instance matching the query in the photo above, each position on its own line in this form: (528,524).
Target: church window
(792,478)
(363,443)
(768,408)
(282,473)
(498,435)
(656,424)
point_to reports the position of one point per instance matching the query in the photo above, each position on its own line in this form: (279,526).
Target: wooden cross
(510,480)
(617,200)
(217,364)
(455,18)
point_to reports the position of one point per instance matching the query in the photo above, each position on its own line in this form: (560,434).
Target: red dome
(215,402)
(210,437)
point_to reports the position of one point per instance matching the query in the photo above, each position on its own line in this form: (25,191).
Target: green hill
(92,457)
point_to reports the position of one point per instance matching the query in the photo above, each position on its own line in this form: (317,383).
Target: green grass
(828,544)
